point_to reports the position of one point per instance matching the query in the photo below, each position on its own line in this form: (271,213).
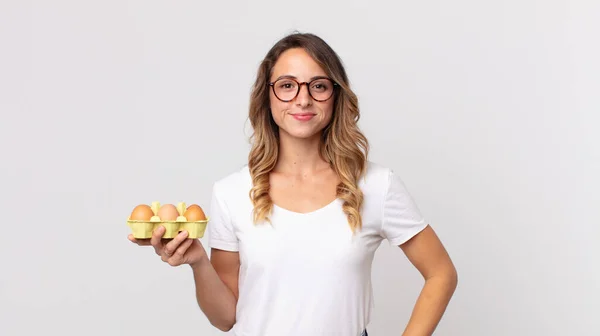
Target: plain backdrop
(488,110)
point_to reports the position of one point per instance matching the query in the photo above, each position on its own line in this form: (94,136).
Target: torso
(306,273)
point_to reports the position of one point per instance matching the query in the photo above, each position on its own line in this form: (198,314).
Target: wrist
(201,262)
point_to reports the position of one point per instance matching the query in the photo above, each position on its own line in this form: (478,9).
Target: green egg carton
(144,229)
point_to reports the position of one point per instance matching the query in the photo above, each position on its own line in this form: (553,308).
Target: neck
(299,156)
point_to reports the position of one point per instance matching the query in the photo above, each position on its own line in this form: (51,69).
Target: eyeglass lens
(287,89)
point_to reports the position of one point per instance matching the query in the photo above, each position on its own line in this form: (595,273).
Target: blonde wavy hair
(343,145)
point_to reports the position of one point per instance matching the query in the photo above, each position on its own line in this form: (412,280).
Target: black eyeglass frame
(335,85)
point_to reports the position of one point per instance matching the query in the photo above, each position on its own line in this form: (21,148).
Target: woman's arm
(426,252)
(217,287)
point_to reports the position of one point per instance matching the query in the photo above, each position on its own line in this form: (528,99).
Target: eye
(286,85)
(320,86)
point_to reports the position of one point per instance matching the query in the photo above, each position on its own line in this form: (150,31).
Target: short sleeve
(222,234)
(401,219)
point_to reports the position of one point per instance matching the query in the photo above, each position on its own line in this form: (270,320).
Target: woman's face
(302,116)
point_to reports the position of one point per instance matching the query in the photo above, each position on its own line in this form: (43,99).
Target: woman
(293,233)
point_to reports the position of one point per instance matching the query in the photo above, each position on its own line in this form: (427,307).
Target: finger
(141,242)
(177,258)
(170,247)
(183,248)
(157,236)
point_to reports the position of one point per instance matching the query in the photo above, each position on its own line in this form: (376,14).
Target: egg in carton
(144,219)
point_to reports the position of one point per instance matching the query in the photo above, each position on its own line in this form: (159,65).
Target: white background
(488,111)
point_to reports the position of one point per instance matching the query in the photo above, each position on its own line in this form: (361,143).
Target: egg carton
(143,229)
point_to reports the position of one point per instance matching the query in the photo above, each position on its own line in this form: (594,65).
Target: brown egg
(194,213)
(168,212)
(141,212)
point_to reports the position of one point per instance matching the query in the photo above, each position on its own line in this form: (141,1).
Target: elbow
(223,325)
(448,278)
(451,278)
(451,275)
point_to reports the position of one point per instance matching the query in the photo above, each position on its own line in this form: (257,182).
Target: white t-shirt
(307,274)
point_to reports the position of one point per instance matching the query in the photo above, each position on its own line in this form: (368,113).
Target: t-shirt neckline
(304,214)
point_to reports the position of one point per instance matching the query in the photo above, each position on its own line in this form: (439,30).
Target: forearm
(431,305)
(215,299)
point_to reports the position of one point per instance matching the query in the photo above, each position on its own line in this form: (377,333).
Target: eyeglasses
(287,89)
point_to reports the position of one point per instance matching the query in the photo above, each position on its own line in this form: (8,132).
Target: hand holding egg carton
(144,219)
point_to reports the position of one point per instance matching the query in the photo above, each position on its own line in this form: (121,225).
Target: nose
(303,99)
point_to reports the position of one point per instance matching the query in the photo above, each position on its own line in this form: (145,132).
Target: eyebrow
(294,77)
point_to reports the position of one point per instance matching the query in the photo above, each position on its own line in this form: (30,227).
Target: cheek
(278,109)
(327,111)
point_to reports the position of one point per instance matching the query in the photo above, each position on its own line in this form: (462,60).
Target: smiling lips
(303,116)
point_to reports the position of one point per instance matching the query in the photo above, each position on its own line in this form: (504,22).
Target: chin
(302,133)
